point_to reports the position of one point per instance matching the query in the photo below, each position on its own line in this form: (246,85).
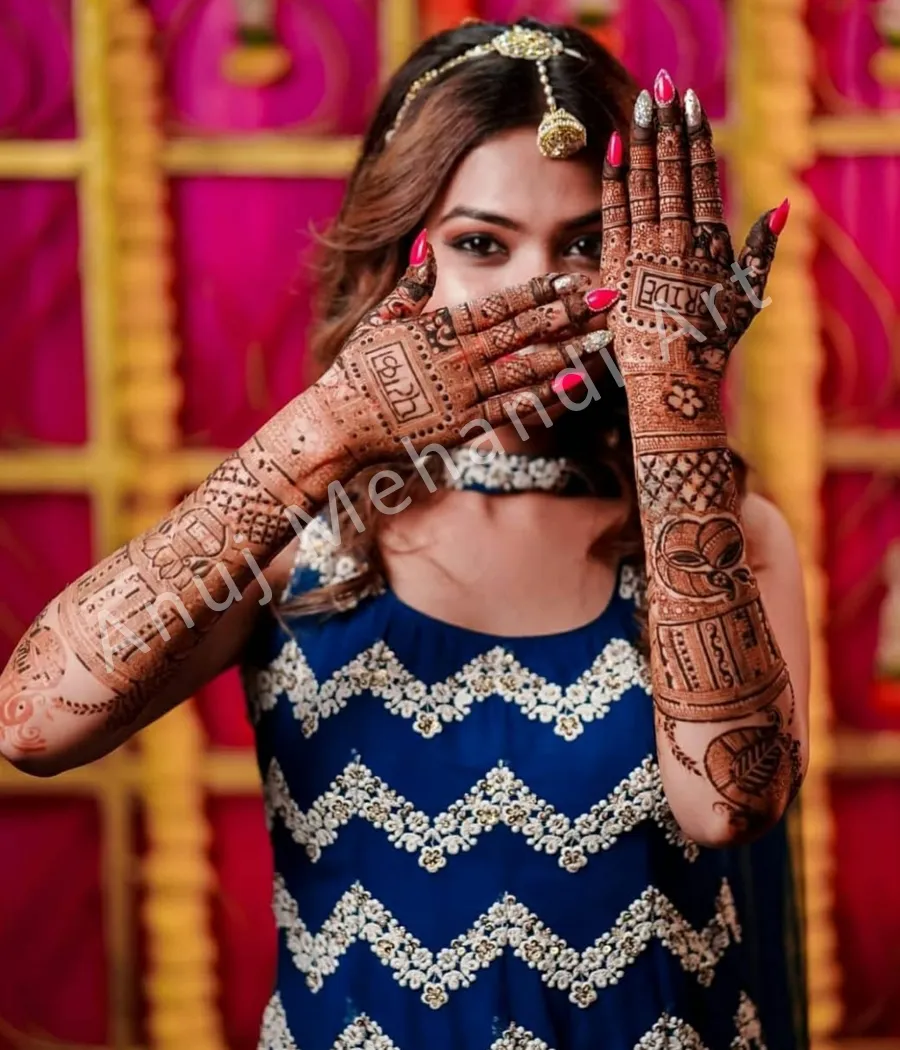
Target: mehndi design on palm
(668,249)
(683,306)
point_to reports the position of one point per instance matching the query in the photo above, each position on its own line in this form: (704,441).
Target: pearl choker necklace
(494,471)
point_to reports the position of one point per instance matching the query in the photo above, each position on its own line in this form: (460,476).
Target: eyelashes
(480,244)
(485,245)
(590,243)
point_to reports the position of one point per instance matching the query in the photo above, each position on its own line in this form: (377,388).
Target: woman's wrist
(300,453)
(684,406)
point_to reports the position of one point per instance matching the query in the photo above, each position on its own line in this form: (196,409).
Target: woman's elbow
(48,753)
(725,827)
(34,763)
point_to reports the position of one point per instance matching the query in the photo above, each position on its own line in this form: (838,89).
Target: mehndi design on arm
(685,302)
(405,375)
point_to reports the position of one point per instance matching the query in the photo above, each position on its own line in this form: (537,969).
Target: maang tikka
(561,134)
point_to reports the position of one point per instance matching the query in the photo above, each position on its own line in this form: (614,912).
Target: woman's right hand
(406,377)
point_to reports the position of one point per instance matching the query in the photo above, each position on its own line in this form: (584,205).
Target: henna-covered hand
(109,645)
(685,300)
(721,687)
(410,377)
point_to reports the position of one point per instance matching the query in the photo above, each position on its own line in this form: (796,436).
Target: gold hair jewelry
(560,135)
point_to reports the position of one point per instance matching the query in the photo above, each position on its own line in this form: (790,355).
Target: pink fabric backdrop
(859,282)
(244,276)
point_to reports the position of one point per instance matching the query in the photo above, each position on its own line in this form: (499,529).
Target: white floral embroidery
(363,1034)
(318,551)
(509,471)
(632,584)
(671,1033)
(275,1034)
(496,673)
(499,797)
(749,1028)
(288,674)
(517,1038)
(358,916)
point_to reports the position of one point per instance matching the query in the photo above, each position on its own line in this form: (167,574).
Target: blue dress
(473,850)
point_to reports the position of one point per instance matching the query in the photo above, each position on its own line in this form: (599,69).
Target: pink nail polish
(664,89)
(600,299)
(614,150)
(566,382)
(419,252)
(778,219)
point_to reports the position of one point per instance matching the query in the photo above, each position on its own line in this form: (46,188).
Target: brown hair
(391,189)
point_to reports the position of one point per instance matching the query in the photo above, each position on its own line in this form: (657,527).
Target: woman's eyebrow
(492,218)
(590,218)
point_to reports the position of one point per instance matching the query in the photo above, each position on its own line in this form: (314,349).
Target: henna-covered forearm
(724,705)
(720,683)
(99,653)
(116,638)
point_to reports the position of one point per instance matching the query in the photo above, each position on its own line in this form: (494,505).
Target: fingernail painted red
(601,298)
(664,88)
(614,150)
(566,382)
(419,249)
(778,219)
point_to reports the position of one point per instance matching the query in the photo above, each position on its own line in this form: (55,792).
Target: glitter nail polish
(594,342)
(693,111)
(643,110)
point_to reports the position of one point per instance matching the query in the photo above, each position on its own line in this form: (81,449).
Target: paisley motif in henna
(30,688)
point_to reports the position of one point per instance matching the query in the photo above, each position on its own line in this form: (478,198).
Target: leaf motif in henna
(748,766)
(678,753)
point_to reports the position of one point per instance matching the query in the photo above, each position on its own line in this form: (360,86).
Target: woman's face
(510,214)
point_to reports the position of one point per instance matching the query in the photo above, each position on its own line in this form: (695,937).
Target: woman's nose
(529,262)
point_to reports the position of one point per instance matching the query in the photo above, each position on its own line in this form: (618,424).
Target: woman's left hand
(685,299)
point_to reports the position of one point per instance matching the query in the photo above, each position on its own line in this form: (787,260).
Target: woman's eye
(587,247)
(478,244)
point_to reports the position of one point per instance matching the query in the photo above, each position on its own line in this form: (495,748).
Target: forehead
(509,175)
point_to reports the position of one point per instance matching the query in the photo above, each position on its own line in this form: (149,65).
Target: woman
(490,829)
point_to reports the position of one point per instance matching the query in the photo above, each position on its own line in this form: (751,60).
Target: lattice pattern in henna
(689,480)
